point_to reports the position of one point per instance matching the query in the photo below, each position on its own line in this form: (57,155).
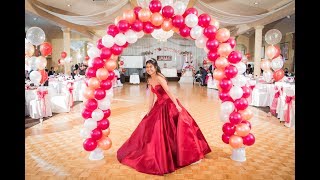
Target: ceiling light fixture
(35,19)
(69,5)
(256,3)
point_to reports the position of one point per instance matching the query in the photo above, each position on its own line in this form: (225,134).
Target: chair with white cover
(60,102)
(39,106)
(288,109)
(260,96)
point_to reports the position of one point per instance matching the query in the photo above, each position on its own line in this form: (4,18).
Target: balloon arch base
(239,154)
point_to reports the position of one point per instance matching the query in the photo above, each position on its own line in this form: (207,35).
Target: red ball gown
(165,140)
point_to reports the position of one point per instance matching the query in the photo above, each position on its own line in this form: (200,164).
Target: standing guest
(51,72)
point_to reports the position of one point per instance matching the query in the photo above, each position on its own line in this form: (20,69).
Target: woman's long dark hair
(156,66)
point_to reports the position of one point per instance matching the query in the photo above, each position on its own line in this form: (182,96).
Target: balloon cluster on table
(35,36)
(64,59)
(274,61)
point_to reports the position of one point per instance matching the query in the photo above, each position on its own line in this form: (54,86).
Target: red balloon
(230,71)
(137,26)
(204,20)
(225,84)
(246,91)
(136,10)
(97,63)
(45,49)
(225,138)
(91,104)
(112,30)
(125,45)
(249,139)
(87,58)
(91,72)
(116,50)
(213,55)
(96,134)
(212,44)
(185,31)
(241,103)
(106,113)
(123,25)
(177,21)
(148,27)
(105,53)
(232,42)
(86,113)
(99,44)
(63,55)
(278,75)
(235,57)
(235,118)
(228,129)
(190,11)
(157,27)
(106,84)
(99,93)
(111,75)
(155,6)
(210,32)
(89,144)
(103,124)
(225,96)
(44,76)
(167,11)
(247,123)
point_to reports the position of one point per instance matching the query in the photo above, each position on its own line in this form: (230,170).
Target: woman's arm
(164,85)
(151,100)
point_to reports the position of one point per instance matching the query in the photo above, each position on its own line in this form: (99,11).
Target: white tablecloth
(169,72)
(187,77)
(34,105)
(134,79)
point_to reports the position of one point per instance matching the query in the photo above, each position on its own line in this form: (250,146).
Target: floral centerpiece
(188,68)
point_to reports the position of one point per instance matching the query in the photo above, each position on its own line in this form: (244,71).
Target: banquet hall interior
(231,64)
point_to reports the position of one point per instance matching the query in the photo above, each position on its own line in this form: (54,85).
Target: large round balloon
(273,36)
(35,36)
(45,49)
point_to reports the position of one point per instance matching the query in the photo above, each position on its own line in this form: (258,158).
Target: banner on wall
(164,58)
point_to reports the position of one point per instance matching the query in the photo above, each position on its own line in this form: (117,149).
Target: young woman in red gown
(167,138)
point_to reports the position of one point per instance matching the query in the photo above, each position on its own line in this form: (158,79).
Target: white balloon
(90,124)
(239,80)
(41,62)
(104,103)
(28,49)
(196,32)
(140,34)
(224,117)
(227,107)
(120,39)
(94,52)
(206,49)
(268,75)
(90,61)
(108,41)
(35,77)
(35,35)
(179,8)
(191,20)
(85,133)
(236,92)
(97,114)
(167,2)
(68,59)
(201,41)
(26,41)
(241,67)
(109,93)
(277,63)
(32,63)
(131,36)
(273,36)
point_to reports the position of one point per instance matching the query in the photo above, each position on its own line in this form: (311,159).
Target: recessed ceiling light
(69,5)
(255,3)
(35,19)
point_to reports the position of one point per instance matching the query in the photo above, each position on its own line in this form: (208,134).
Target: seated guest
(286,72)
(203,75)
(51,72)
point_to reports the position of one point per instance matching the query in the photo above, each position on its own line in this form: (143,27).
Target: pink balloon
(106,84)
(204,20)
(105,53)
(235,118)
(225,96)
(111,75)
(210,32)
(241,104)
(225,84)
(249,139)
(177,21)
(213,56)
(112,30)
(228,129)
(230,71)
(224,49)
(116,50)
(223,35)
(246,91)
(99,44)
(125,45)
(97,63)
(167,11)
(86,113)
(99,93)
(91,72)
(155,6)
(271,51)
(136,10)
(247,123)
(103,124)
(212,44)
(184,31)
(106,113)
(232,42)
(89,144)
(123,25)
(190,11)
(96,134)
(148,27)
(235,57)
(91,104)
(225,138)
(137,26)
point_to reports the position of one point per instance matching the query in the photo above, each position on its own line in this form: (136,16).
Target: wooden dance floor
(54,149)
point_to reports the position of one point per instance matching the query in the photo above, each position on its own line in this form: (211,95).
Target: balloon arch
(202,28)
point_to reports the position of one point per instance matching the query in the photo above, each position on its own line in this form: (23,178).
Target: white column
(66,48)
(257,51)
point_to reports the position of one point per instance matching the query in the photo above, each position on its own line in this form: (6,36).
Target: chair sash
(287,117)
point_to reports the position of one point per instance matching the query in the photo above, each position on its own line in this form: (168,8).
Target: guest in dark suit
(51,72)
(203,76)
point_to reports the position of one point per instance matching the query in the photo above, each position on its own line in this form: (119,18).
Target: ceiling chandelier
(162,35)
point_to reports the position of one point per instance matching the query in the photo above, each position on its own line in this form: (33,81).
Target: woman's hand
(179,108)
